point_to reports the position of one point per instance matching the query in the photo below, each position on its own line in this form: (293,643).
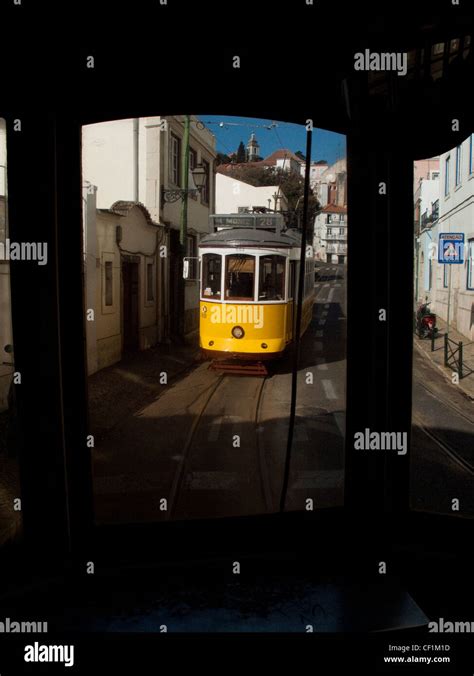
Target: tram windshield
(271,284)
(240,277)
(211,275)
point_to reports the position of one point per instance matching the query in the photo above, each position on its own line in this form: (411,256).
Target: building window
(329,231)
(341,231)
(175,160)
(191,252)
(446,176)
(470,264)
(458,165)
(149,282)
(108,276)
(434,175)
(192,159)
(445,276)
(206,191)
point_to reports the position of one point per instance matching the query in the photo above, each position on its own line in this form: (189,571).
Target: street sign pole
(450,252)
(449,299)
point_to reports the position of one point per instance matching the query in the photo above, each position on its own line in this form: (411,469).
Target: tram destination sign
(246,220)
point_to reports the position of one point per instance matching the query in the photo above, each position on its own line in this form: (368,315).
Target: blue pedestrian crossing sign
(451,247)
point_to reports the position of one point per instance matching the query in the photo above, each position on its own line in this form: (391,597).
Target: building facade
(137,161)
(456,214)
(330,234)
(235,196)
(426,208)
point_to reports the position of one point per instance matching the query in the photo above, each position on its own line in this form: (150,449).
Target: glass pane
(10,502)
(240,277)
(211,275)
(179,433)
(442,454)
(272,278)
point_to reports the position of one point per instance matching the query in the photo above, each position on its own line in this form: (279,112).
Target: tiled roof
(281,154)
(123,207)
(334,209)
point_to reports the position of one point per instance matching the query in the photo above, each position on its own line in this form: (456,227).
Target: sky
(326,145)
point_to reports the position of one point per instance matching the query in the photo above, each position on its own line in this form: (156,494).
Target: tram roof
(251,237)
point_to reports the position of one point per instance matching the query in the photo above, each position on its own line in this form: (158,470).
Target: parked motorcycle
(425,321)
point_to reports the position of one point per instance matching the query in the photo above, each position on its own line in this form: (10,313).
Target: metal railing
(453,357)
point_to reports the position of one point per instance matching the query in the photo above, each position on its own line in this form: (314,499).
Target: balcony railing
(336,248)
(337,237)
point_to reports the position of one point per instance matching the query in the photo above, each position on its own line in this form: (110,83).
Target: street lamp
(199,175)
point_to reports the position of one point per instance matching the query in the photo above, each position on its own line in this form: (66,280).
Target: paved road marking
(330,295)
(329,390)
(327,305)
(324,313)
(325,285)
(322,366)
(319,334)
(322,322)
(337,285)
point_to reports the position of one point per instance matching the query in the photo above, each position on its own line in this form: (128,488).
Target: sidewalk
(466,383)
(122,389)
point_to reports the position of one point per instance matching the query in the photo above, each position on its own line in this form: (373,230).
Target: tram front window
(271,278)
(211,275)
(240,276)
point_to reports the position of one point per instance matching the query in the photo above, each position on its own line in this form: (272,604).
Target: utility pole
(183,231)
(184,207)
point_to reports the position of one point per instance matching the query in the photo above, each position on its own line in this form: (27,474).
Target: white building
(330,234)
(315,172)
(426,213)
(234,196)
(122,269)
(138,160)
(456,214)
(5,301)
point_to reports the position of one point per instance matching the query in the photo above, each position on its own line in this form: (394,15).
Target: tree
(241,154)
(300,155)
(222,158)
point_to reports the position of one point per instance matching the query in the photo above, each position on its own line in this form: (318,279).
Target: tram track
(450,405)
(445,446)
(213,392)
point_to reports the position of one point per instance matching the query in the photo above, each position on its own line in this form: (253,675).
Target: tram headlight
(238,332)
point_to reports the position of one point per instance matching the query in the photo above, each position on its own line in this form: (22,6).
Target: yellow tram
(248,287)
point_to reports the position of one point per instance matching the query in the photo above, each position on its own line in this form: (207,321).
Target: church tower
(253,149)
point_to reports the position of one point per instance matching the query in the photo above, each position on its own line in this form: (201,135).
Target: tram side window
(272,278)
(240,277)
(211,275)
